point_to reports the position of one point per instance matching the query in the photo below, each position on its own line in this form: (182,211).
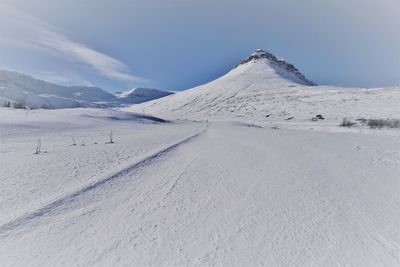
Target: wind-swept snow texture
(262,86)
(75,151)
(191,194)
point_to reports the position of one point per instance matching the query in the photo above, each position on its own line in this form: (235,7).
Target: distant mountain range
(23,90)
(261,86)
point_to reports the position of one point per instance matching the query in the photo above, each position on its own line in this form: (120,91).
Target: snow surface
(195,194)
(64,168)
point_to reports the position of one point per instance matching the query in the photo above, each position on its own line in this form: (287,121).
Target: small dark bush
(111,136)
(19,105)
(347,123)
(363,121)
(380,123)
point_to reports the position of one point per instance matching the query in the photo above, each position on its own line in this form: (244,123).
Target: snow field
(229,195)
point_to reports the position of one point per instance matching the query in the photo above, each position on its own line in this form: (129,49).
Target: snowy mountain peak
(259,53)
(281,66)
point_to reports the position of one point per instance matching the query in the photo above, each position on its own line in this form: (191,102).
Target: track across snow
(233,196)
(69,198)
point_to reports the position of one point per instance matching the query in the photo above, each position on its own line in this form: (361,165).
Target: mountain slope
(34,93)
(140,95)
(261,85)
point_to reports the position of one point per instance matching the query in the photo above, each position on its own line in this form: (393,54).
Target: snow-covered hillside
(33,93)
(262,86)
(18,87)
(140,95)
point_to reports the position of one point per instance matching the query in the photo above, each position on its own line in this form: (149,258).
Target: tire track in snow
(175,183)
(20,221)
(172,187)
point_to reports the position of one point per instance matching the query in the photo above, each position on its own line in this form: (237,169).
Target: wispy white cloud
(20,29)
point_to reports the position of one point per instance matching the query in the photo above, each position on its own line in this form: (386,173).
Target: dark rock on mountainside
(263,55)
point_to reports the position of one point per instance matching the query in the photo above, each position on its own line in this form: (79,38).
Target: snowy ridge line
(22,220)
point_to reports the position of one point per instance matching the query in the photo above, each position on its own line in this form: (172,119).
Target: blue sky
(177,44)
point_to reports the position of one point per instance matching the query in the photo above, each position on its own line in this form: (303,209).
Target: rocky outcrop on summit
(278,63)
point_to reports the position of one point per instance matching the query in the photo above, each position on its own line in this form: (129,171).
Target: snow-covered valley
(188,193)
(252,169)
